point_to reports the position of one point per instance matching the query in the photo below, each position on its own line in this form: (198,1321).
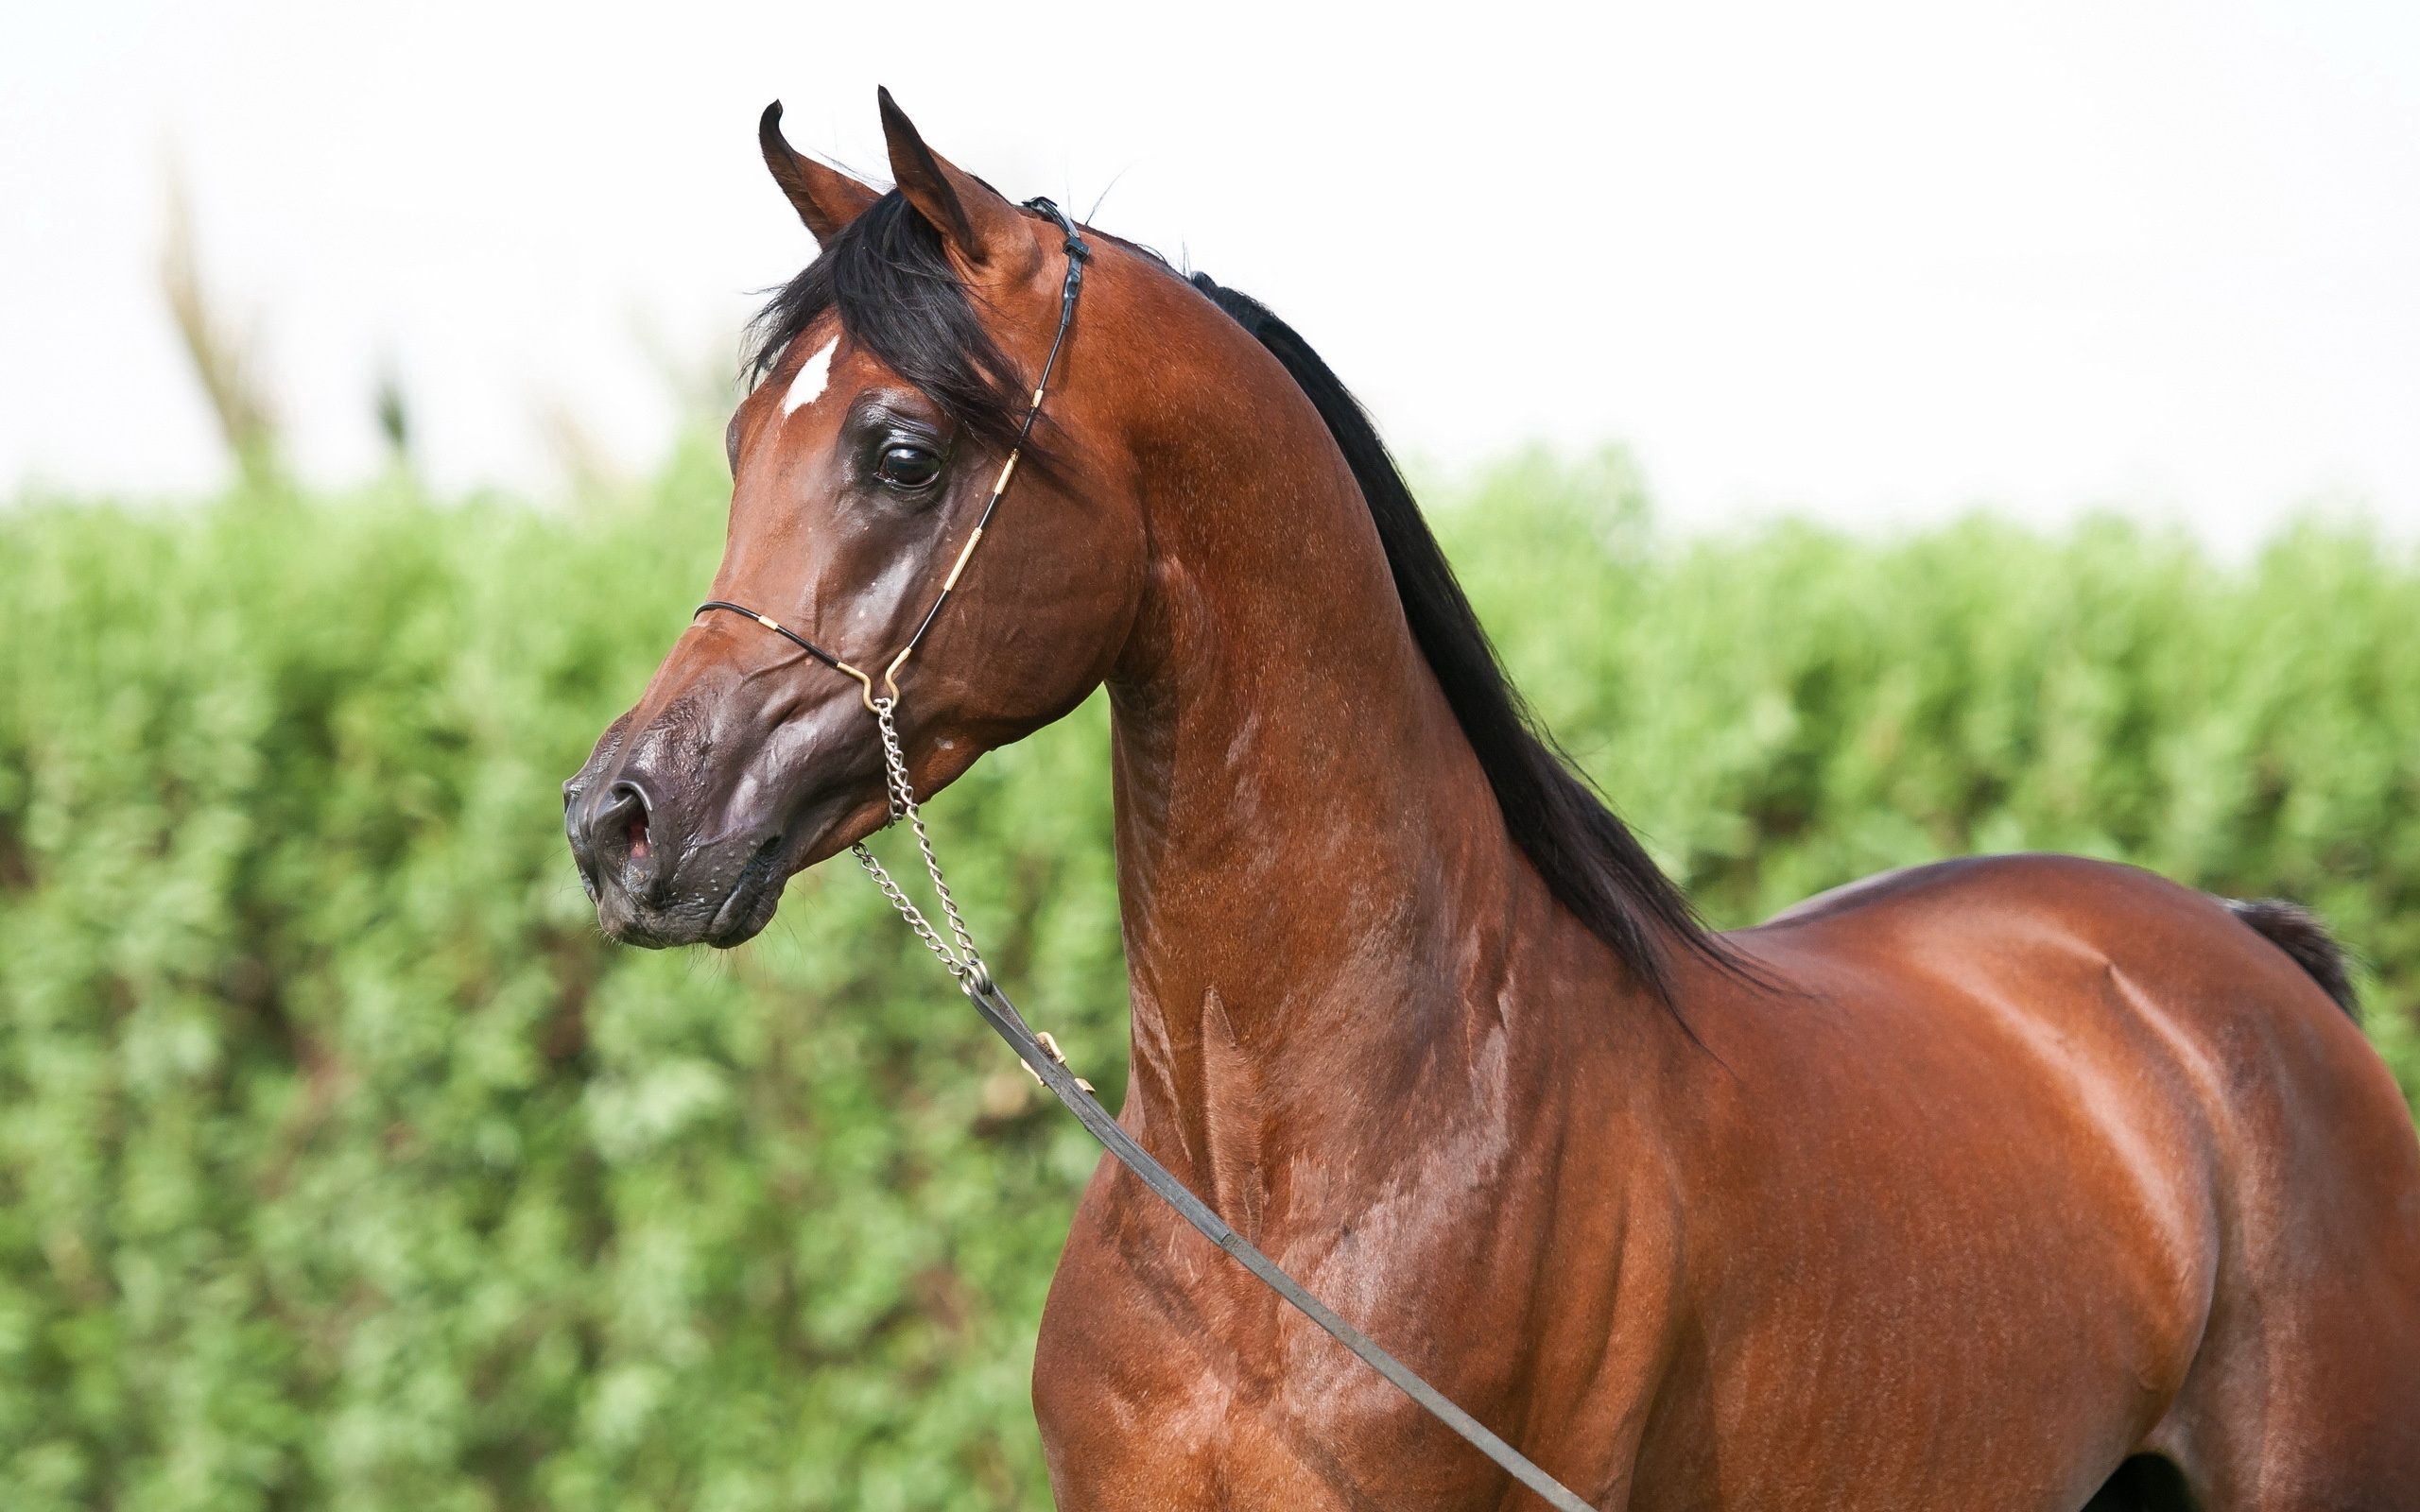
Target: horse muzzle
(658,884)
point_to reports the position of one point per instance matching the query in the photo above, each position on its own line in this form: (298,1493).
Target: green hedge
(341,1164)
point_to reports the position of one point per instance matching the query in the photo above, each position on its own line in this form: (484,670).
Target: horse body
(1966,1186)
(1970,1234)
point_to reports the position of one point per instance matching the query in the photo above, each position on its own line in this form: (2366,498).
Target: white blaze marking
(809,385)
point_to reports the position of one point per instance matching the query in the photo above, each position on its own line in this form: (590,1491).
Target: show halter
(1039,1051)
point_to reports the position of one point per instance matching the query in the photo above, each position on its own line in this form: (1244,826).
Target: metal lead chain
(963,961)
(967,967)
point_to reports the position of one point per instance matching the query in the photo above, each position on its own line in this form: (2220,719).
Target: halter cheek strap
(1079,252)
(1040,1052)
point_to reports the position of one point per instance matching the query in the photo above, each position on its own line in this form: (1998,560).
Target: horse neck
(1316,882)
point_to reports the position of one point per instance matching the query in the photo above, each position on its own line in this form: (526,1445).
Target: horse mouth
(755,893)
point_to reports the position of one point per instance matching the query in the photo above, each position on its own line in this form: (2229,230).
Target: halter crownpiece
(1040,1052)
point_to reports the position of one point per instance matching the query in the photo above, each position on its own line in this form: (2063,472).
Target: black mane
(1588,858)
(890,279)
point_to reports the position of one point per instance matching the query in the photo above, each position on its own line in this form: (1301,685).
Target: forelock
(888,278)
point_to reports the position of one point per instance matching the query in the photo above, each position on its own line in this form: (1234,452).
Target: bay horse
(2022,1182)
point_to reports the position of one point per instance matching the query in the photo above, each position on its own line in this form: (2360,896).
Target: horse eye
(907,467)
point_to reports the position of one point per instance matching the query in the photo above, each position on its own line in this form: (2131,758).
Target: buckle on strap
(1050,1047)
(1074,245)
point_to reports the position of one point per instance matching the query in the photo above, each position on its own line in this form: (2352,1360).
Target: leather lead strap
(1002,1015)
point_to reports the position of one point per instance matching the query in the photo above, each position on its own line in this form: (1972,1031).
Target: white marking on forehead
(812,375)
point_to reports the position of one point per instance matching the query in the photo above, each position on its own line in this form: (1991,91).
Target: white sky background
(1873,261)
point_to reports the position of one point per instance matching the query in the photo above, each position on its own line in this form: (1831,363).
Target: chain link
(963,961)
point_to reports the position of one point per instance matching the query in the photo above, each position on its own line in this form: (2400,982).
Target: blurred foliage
(342,1166)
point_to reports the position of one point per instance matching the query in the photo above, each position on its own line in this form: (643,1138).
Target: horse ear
(825,198)
(983,229)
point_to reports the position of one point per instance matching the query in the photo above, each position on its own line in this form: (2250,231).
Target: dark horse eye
(907,467)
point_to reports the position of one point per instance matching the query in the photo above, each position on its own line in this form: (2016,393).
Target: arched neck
(1320,902)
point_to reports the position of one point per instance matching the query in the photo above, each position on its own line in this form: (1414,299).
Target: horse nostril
(628,802)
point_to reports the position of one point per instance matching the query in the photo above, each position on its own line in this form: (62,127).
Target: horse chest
(1190,1395)
(1166,1378)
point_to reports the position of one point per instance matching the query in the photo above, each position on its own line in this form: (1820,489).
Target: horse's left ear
(981,228)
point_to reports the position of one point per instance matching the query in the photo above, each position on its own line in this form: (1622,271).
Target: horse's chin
(755,896)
